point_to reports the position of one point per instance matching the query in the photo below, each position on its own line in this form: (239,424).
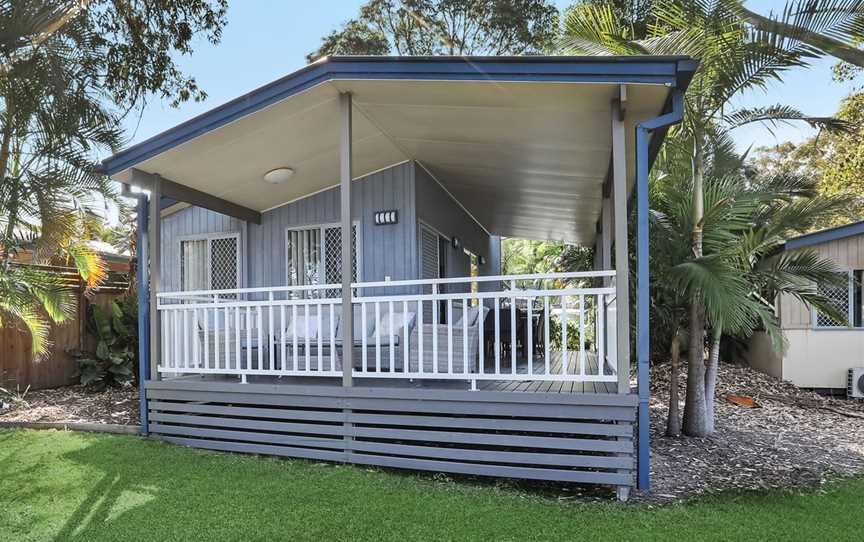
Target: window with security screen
(846,297)
(314,256)
(210,262)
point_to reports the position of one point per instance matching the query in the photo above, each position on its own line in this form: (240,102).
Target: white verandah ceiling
(525,159)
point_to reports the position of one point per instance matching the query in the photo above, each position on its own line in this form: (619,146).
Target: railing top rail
(390,284)
(504,294)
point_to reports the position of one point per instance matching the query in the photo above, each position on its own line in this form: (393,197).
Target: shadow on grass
(135,489)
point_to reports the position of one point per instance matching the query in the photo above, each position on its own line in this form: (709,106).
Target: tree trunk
(673,421)
(695,416)
(711,379)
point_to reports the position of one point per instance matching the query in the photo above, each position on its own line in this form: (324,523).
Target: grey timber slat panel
(494,456)
(495,470)
(404,405)
(590,445)
(478,433)
(599,399)
(249,436)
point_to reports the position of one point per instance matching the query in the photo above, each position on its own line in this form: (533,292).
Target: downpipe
(643,129)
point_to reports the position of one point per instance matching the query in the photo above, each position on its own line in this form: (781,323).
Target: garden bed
(72,404)
(791,438)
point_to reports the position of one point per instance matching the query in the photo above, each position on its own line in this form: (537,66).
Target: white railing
(518,327)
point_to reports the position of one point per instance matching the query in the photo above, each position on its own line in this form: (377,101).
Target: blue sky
(266,39)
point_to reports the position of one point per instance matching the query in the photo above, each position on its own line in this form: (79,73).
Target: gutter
(643,326)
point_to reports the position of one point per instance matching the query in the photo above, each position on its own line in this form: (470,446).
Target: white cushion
(473,313)
(312,332)
(382,326)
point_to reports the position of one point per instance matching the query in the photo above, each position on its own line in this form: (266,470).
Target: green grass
(72,486)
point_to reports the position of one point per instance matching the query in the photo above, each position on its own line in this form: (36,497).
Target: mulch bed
(790,439)
(72,404)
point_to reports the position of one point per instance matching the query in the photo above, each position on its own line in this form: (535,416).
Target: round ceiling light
(278,175)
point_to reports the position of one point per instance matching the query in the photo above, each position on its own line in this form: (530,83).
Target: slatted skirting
(583,438)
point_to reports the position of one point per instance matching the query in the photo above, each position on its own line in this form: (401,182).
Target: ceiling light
(278,175)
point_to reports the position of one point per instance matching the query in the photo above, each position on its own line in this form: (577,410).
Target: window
(314,256)
(210,262)
(846,298)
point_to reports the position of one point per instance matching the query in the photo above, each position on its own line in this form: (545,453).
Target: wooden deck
(529,386)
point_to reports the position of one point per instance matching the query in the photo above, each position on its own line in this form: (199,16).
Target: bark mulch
(72,404)
(791,439)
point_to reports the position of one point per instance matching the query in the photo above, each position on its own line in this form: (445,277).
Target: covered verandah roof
(523,143)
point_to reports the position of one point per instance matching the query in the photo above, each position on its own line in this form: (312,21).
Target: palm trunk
(673,421)
(711,379)
(5,144)
(695,417)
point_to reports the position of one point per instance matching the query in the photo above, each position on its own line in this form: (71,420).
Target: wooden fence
(18,367)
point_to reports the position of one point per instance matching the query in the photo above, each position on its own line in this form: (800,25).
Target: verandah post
(155,240)
(143,279)
(622,265)
(345,169)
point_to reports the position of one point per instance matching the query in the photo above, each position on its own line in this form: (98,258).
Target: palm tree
(744,267)
(52,122)
(735,57)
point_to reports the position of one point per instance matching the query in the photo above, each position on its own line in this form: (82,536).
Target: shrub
(115,359)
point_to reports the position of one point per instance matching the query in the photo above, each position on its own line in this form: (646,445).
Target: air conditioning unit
(855,383)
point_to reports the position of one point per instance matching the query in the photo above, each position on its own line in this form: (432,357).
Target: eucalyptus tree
(444,27)
(735,57)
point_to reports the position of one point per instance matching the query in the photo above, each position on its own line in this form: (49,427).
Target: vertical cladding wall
(384,250)
(439,210)
(188,222)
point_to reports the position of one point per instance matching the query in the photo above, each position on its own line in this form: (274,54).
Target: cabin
(820,351)
(325,265)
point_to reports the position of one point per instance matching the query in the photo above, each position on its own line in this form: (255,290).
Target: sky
(267,39)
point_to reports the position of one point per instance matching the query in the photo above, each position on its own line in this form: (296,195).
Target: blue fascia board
(824,236)
(673,71)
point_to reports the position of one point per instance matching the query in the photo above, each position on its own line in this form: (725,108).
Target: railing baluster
(259,324)
(377,337)
(270,335)
(513,347)
(364,341)
(465,335)
(529,330)
(420,334)
(308,346)
(600,339)
(320,336)
(238,350)
(332,337)
(282,366)
(449,336)
(294,361)
(390,345)
(435,328)
(481,337)
(565,356)
(497,336)
(546,346)
(248,323)
(185,339)
(405,337)
(581,359)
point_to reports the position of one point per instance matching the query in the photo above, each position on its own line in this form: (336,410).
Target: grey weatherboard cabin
(406,171)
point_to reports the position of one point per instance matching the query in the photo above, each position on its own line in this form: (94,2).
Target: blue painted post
(643,324)
(143,308)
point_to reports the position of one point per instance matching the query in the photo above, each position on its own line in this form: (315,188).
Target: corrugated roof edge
(673,70)
(824,236)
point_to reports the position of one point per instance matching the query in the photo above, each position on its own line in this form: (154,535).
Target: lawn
(72,486)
